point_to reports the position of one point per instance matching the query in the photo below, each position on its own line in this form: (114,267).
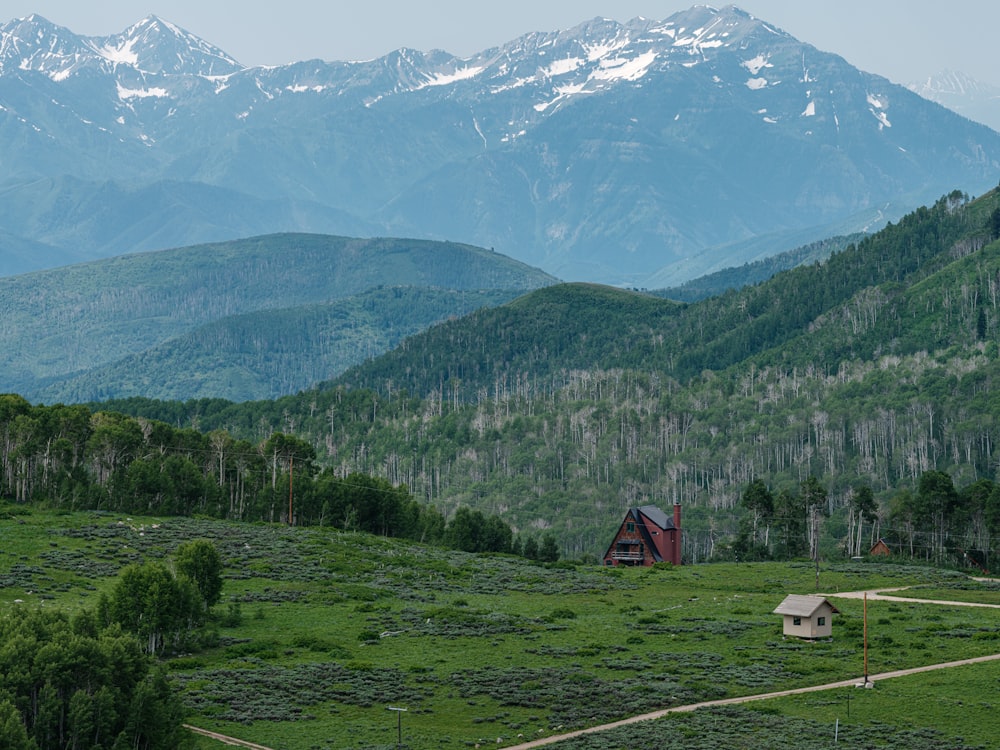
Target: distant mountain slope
(18,255)
(271,353)
(559,329)
(73,213)
(88,316)
(962,93)
(723,281)
(615,153)
(571,327)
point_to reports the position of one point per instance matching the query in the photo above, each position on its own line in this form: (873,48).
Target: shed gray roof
(800,605)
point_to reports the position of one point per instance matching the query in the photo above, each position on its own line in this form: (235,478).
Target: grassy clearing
(319,632)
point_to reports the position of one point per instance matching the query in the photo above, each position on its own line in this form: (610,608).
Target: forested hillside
(562,408)
(737,277)
(174,322)
(269,353)
(572,327)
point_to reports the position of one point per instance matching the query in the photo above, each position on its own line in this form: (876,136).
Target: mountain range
(622,153)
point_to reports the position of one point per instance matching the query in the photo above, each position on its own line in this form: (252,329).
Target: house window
(821,621)
(796,621)
(630,526)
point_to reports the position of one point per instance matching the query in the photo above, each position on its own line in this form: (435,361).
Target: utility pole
(291,461)
(814,523)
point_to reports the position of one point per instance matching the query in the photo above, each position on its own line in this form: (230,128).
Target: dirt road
(888,595)
(232,741)
(747,699)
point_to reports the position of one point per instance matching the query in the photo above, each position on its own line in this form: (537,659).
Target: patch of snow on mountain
(877,108)
(562,92)
(756,84)
(810,110)
(620,69)
(515,84)
(444,79)
(756,64)
(121,54)
(157,92)
(597,51)
(570,90)
(882,118)
(667,30)
(301,89)
(562,67)
(701,38)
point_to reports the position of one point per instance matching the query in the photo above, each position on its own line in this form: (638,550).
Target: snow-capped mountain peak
(35,43)
(150,46)
(156,46)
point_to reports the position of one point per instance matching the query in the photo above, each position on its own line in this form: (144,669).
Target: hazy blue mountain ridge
(609,152)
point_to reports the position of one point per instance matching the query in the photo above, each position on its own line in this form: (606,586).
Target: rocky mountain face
(610,152)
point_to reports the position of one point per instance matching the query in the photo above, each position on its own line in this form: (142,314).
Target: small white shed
(807,616)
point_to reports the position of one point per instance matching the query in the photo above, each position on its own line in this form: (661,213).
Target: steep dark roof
(657,516)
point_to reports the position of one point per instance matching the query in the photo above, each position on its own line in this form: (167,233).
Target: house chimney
(676,536)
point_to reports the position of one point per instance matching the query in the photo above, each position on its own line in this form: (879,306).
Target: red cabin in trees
(646,536)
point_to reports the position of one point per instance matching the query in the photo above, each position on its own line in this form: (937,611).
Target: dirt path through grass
(746,699)
(888,595)
(232,741)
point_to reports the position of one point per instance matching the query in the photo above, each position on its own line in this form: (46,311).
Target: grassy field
(320,632)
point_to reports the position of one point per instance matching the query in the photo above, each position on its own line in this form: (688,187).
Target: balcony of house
(629,553)
(627,556)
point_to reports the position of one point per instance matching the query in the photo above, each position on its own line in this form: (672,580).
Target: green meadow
(320,632)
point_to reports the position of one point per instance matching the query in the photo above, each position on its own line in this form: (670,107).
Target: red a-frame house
(646,536)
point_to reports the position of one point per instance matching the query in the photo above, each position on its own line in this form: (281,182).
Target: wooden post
(399,725)
(866,639)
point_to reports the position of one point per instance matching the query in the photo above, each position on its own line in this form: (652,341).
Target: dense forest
(557,411)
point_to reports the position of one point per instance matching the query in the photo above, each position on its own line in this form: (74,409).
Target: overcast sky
(904,40)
